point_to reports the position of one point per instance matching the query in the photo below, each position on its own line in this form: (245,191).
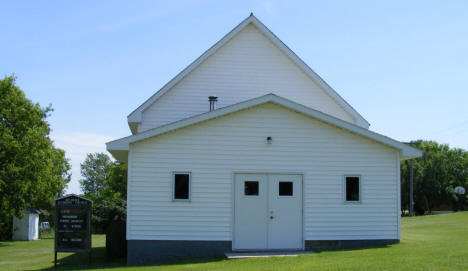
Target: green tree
(95,169)
(32,171)
(104,182)
(116,184)
(436,174)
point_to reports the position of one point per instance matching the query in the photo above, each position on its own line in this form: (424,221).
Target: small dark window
(352,189)
(181,185)
(251,188)
(285,188)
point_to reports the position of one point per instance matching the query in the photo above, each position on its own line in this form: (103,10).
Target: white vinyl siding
(213,150)
(246,67)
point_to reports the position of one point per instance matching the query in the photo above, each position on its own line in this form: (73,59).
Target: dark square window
(352,189)
(251,188)
(181,185)
(285,188)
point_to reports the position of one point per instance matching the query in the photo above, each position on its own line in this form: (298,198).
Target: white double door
(268,212)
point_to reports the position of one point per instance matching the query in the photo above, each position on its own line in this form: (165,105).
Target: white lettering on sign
(73,227)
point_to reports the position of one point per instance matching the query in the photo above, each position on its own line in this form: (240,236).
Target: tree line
(33,172)
(435,174)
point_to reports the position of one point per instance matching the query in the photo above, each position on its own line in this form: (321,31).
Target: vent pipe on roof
(213,100)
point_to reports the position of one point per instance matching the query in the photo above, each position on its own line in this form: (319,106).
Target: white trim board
(119,148)
(136,116)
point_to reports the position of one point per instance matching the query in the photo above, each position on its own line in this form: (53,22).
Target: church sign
(72,225)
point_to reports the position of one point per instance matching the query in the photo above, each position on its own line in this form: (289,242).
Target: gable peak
(134,119)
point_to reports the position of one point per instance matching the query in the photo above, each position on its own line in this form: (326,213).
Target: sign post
(73,225)
(411,209)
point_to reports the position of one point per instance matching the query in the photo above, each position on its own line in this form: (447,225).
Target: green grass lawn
(437,242)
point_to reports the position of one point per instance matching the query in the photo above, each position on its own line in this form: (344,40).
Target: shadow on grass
(353,248)
(79,261)
(5,244)
(46,237)
(185,261)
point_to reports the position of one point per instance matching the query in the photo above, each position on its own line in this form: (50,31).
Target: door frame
(233,195)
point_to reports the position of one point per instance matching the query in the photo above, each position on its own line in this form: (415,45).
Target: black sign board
(72,225)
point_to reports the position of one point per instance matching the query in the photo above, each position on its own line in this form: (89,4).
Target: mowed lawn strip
(435,242)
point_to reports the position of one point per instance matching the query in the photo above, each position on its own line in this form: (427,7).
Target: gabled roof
(119,148)
(135,117)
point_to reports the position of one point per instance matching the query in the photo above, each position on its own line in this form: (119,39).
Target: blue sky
(402,64)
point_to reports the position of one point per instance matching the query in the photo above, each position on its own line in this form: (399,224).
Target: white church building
(248,149)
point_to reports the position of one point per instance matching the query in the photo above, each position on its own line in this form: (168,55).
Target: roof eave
(120,155)
(119,148)
(123,144)
(410,153)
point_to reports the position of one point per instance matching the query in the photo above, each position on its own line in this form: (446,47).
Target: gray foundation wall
(151,251)
(148,251)
(337,244)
